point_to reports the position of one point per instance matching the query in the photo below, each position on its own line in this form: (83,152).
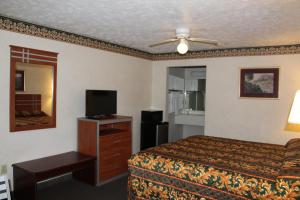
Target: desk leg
(87,174)
(24,185)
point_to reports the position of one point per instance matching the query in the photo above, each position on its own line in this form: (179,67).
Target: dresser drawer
(125,126)
(121,126)
(115,153)
(115,142)
(117,139)
(113,169)
(108,162)
(116,150)
(121,157)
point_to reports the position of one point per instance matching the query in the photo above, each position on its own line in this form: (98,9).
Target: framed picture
(20,80)
(259,82)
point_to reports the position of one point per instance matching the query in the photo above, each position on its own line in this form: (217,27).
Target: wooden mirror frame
(30,56)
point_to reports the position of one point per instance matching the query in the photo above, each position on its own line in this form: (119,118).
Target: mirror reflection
(195,99)
(186,90)
(33,94)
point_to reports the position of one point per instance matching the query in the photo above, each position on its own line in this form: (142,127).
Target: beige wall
(227,115)
(79,68)
(39,80)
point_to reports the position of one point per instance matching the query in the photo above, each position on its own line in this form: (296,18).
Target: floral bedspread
(202,167)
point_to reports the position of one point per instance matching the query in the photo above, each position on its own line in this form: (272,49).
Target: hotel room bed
(32,120)
(202,167)
(28,110)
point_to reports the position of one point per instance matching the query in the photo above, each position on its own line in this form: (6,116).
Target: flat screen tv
(100,103)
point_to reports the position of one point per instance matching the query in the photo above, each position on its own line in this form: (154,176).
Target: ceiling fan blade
(164,42)
(204,41)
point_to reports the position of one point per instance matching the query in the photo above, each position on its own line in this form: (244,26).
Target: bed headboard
(28,102)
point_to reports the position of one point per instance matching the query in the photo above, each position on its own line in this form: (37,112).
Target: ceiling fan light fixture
(183,46)
(184,39)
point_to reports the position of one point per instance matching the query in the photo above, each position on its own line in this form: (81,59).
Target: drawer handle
(116,154)
(116,141)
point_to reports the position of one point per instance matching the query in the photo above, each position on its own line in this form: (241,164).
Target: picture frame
(259,82)
(20,80)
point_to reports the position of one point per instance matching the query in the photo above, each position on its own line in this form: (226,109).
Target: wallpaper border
(18,26)
(232,52)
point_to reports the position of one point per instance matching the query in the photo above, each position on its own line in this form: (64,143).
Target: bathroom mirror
(186,90)
(32,89)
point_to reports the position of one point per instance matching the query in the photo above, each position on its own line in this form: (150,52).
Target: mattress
(202,167)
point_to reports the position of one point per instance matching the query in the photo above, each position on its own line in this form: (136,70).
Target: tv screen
(100,102)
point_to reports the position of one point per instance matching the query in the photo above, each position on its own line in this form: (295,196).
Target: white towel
(175,101)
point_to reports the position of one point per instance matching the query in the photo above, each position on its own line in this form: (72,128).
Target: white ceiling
(139,23)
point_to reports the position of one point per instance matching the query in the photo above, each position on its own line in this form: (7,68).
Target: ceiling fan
(183,36)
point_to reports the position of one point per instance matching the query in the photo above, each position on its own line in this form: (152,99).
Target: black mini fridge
(153,131)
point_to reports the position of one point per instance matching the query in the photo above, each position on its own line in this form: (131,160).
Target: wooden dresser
(109,139)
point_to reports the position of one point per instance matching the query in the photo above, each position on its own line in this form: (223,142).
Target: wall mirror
(32,89)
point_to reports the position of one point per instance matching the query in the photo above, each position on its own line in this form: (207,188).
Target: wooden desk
(28,174)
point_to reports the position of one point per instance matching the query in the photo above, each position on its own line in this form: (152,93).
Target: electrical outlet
(3,169)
